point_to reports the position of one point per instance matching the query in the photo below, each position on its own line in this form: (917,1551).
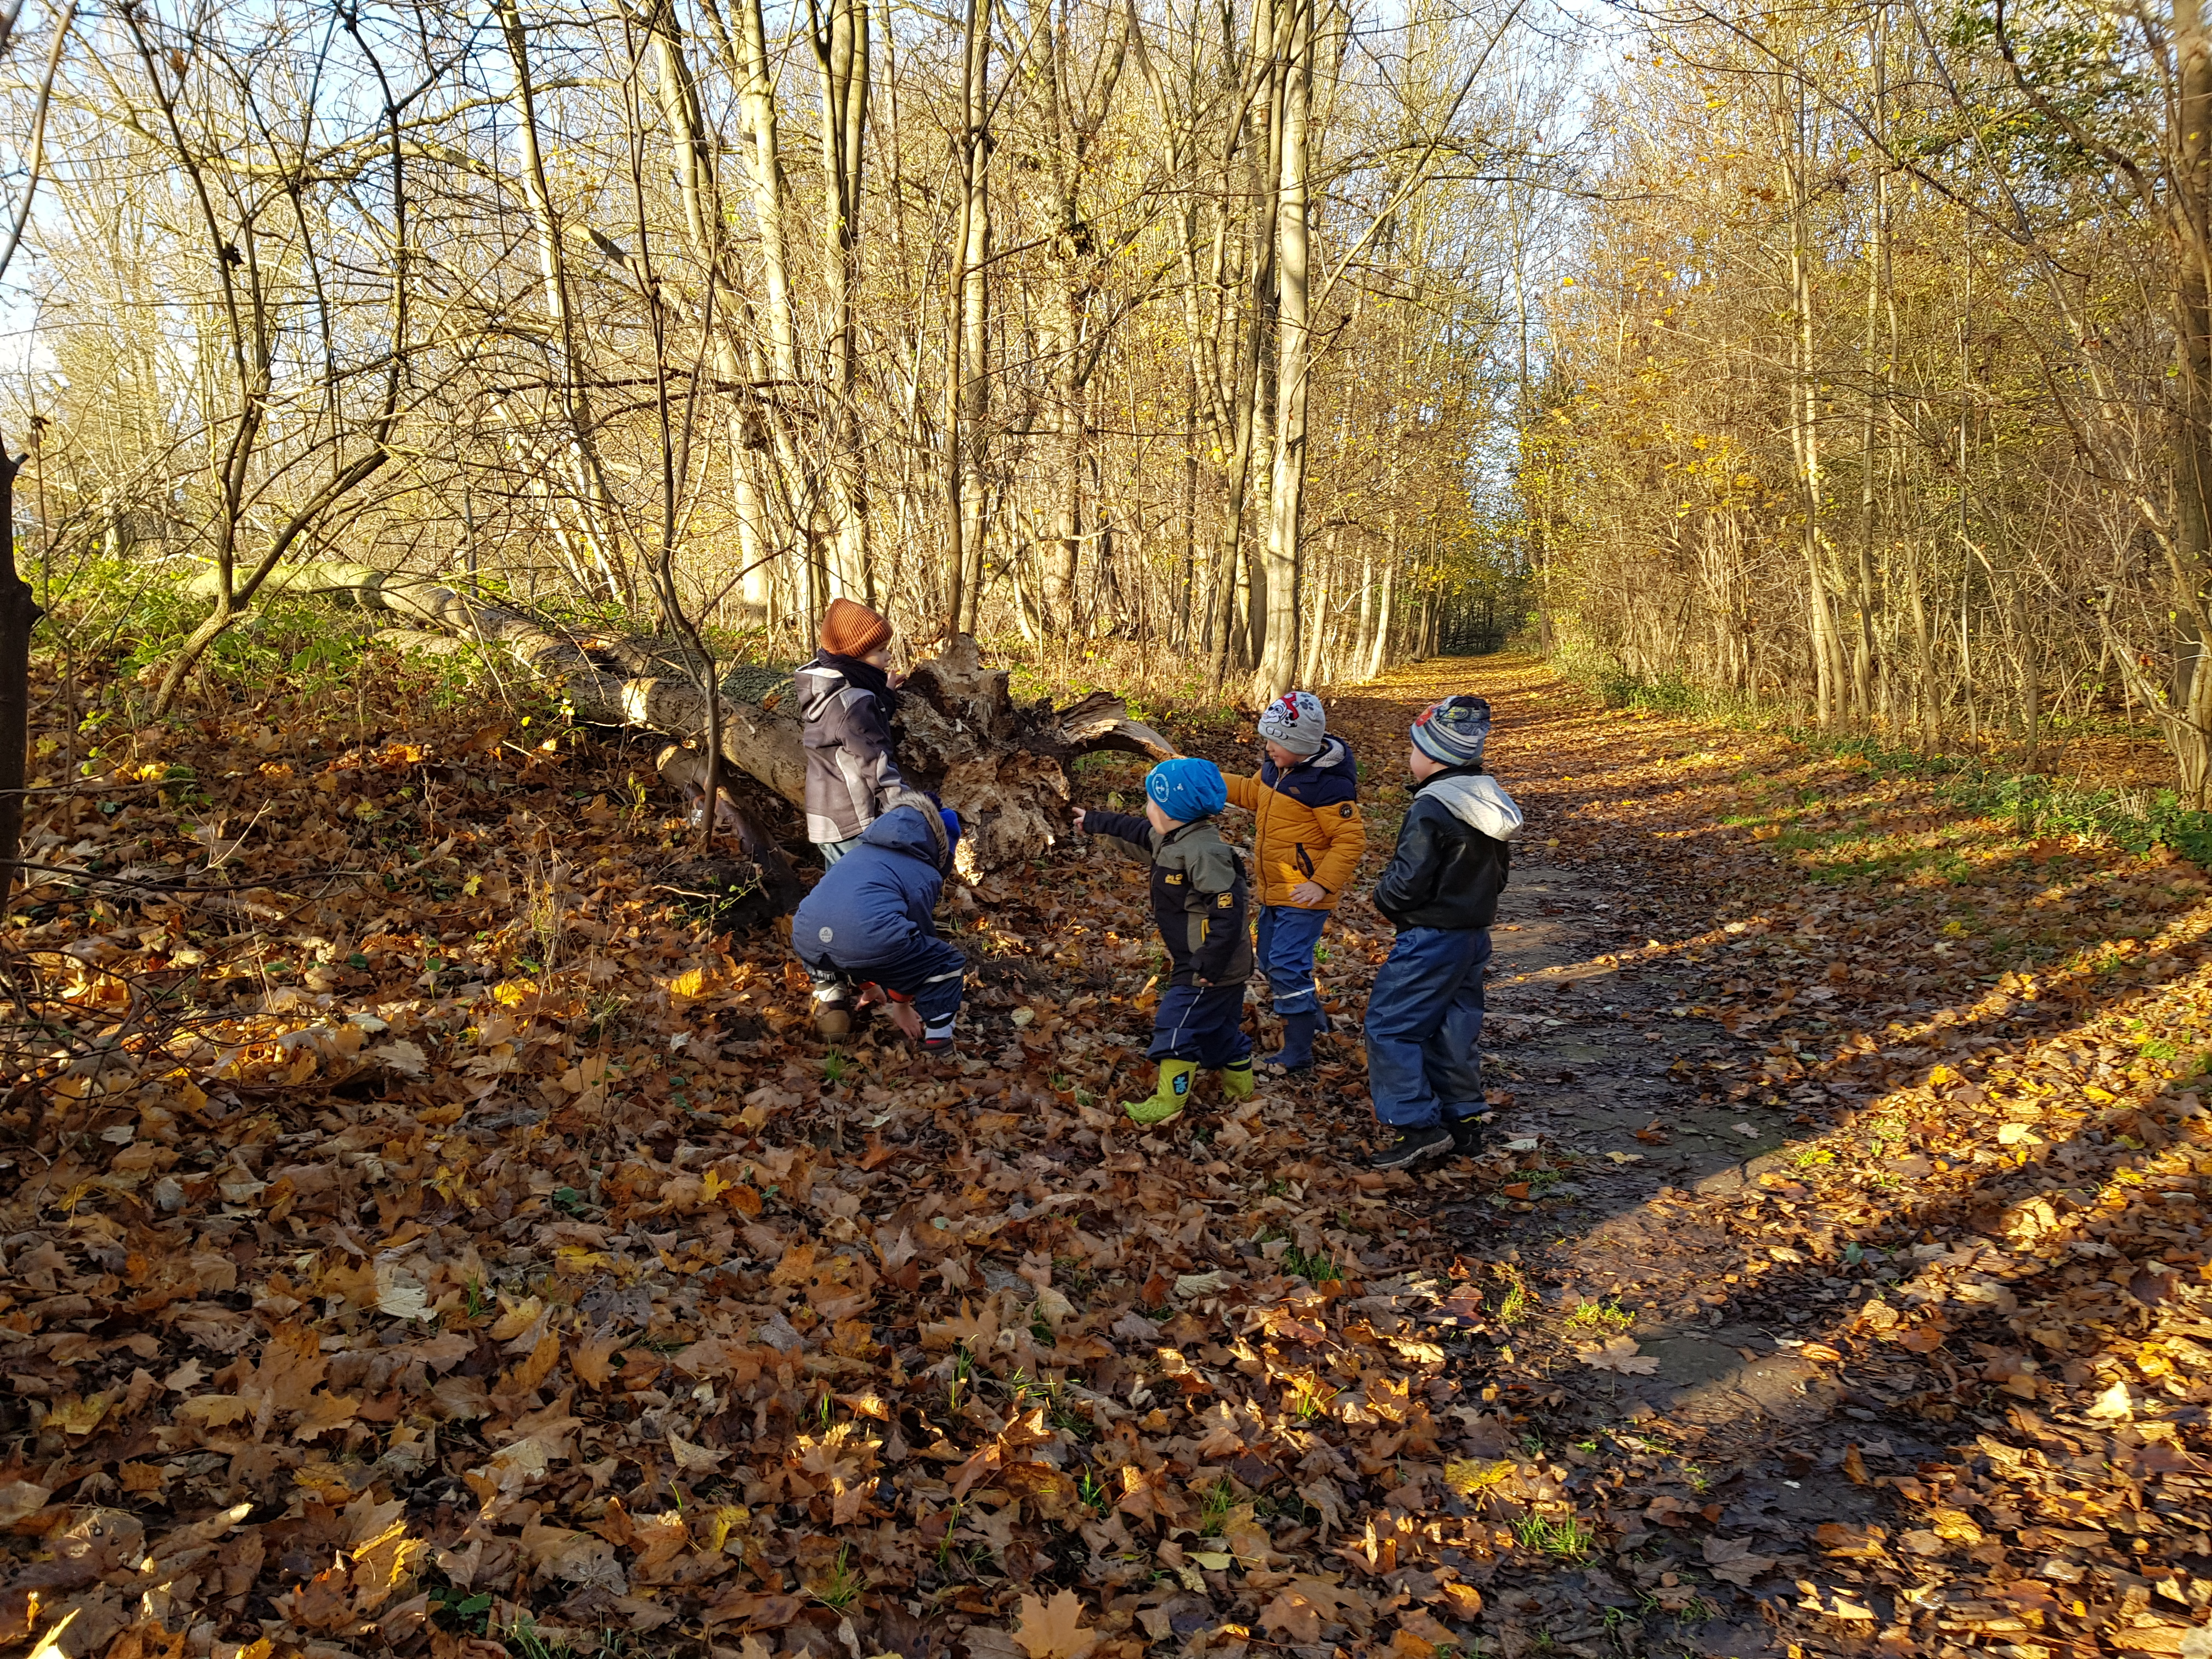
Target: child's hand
(1309,893)
(1078,820)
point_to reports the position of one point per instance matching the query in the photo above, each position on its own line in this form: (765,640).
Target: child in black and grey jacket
(1200,904)
(1424,1011)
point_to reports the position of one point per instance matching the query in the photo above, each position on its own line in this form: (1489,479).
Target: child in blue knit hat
(1199,904)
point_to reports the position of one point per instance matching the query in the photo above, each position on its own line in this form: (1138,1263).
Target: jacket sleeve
(1125,827)
(1411,880)
(863,733)
(1212,879)
(1243,792)
(1347,839)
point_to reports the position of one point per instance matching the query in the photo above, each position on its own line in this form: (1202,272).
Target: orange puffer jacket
(1308,825)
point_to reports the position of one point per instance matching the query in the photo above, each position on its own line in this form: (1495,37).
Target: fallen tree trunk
(1001,767)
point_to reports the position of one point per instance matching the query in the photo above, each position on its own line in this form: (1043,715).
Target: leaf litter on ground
(435,1238)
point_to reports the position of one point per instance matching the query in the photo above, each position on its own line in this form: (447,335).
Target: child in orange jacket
(1307,840)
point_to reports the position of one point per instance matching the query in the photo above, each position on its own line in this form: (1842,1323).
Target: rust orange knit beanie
(853,631)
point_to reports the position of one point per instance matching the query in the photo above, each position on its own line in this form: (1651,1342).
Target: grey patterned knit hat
(1295,721)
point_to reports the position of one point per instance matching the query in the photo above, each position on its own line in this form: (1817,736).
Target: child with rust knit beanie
(846,698)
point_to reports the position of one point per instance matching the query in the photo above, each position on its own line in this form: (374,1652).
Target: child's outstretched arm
(1134,833)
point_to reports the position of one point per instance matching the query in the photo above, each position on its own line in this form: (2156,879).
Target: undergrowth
(2038,804)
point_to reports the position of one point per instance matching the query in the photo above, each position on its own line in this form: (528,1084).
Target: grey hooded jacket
(850,773)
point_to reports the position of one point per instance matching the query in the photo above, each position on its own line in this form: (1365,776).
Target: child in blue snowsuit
(869,919)
(1424,1011)
(1198,903)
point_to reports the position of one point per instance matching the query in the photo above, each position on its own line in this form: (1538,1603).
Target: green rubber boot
(1237,1078)
(1168,1100)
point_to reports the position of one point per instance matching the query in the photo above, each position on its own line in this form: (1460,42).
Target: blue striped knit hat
(1452,732)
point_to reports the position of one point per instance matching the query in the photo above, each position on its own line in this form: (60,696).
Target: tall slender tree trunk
(2191,206)
(692,152)
(966,386)
(1804,425)
(1316,614)
(588,478)
(1280,589)
(1878,376)
(1378,653)
(1186,575)
(1930,703)
(19,615)
(1233,571)
(781,513)
(841,47)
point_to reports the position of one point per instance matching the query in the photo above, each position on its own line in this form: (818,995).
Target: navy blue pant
(1424,1019)
(928,974)
(1204,1022)
(1287,937)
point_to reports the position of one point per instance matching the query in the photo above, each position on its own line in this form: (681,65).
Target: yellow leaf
(213,1411)
(382,1562)
(74,1416)
(1468,1475)
(517,1319)
(50,1645)
(1054,1629)
(692,984)
(724,1520)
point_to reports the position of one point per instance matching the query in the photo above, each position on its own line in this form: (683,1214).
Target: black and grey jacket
(845,707)
(1199,896)
(1453,853)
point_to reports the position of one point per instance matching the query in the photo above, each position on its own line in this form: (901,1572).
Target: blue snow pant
(1203,1023)
(1423,1018)
(1287,937)
(928,974)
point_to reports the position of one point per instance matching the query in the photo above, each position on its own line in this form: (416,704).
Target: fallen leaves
(643,1317)
(1618,1354)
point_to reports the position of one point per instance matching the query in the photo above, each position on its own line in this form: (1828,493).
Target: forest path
(1759,1260)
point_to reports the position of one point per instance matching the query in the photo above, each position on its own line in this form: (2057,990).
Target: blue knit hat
(951,819)
(1187,789)
(1452,732)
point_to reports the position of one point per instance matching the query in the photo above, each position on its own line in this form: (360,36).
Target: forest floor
(444,1243)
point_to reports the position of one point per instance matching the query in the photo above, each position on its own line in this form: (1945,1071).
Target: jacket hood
(917,831)
(1477,800)
(818,685)
(1334,756)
